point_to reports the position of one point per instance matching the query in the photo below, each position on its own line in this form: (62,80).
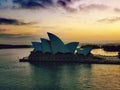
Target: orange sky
(81,20)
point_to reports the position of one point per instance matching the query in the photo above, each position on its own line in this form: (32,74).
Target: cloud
(67,5)
(64,3)
(30,3)
(2,30)
(76,5)
(6,21)
(89,7)
(6,38)
(117,10)
(2,35)
(109,20)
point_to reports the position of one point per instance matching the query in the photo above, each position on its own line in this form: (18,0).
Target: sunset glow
(73,20)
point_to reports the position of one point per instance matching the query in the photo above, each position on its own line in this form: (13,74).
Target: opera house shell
(54,45)
(53,49)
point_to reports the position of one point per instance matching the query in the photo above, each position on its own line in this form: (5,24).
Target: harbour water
(15,75)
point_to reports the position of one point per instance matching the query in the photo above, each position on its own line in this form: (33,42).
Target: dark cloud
(6,21)
(62,3)
(41,3)
(67,5)
(109,20)
(89,7)
(29,3)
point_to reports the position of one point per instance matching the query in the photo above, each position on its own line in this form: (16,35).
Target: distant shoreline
(106,47)
(7,46)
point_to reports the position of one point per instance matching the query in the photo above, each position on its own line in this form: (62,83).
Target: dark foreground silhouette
(66,58)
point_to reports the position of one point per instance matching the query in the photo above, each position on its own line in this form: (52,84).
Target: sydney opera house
(55,49)
(55,45)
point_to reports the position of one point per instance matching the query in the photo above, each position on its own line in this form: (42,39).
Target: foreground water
(15,75)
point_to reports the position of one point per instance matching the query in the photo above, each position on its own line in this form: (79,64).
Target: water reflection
(15,75)
(105,77)
(75,76)
(61,76)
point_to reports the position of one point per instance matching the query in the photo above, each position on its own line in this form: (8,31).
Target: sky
(85,21)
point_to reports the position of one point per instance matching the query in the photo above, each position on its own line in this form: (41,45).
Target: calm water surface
(15,75)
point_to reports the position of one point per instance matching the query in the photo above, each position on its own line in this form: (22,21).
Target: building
(55,45)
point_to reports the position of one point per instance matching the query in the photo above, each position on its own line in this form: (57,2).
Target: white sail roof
(72,46)
(46,47)
(84,51)
(56,44)
(37,46)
